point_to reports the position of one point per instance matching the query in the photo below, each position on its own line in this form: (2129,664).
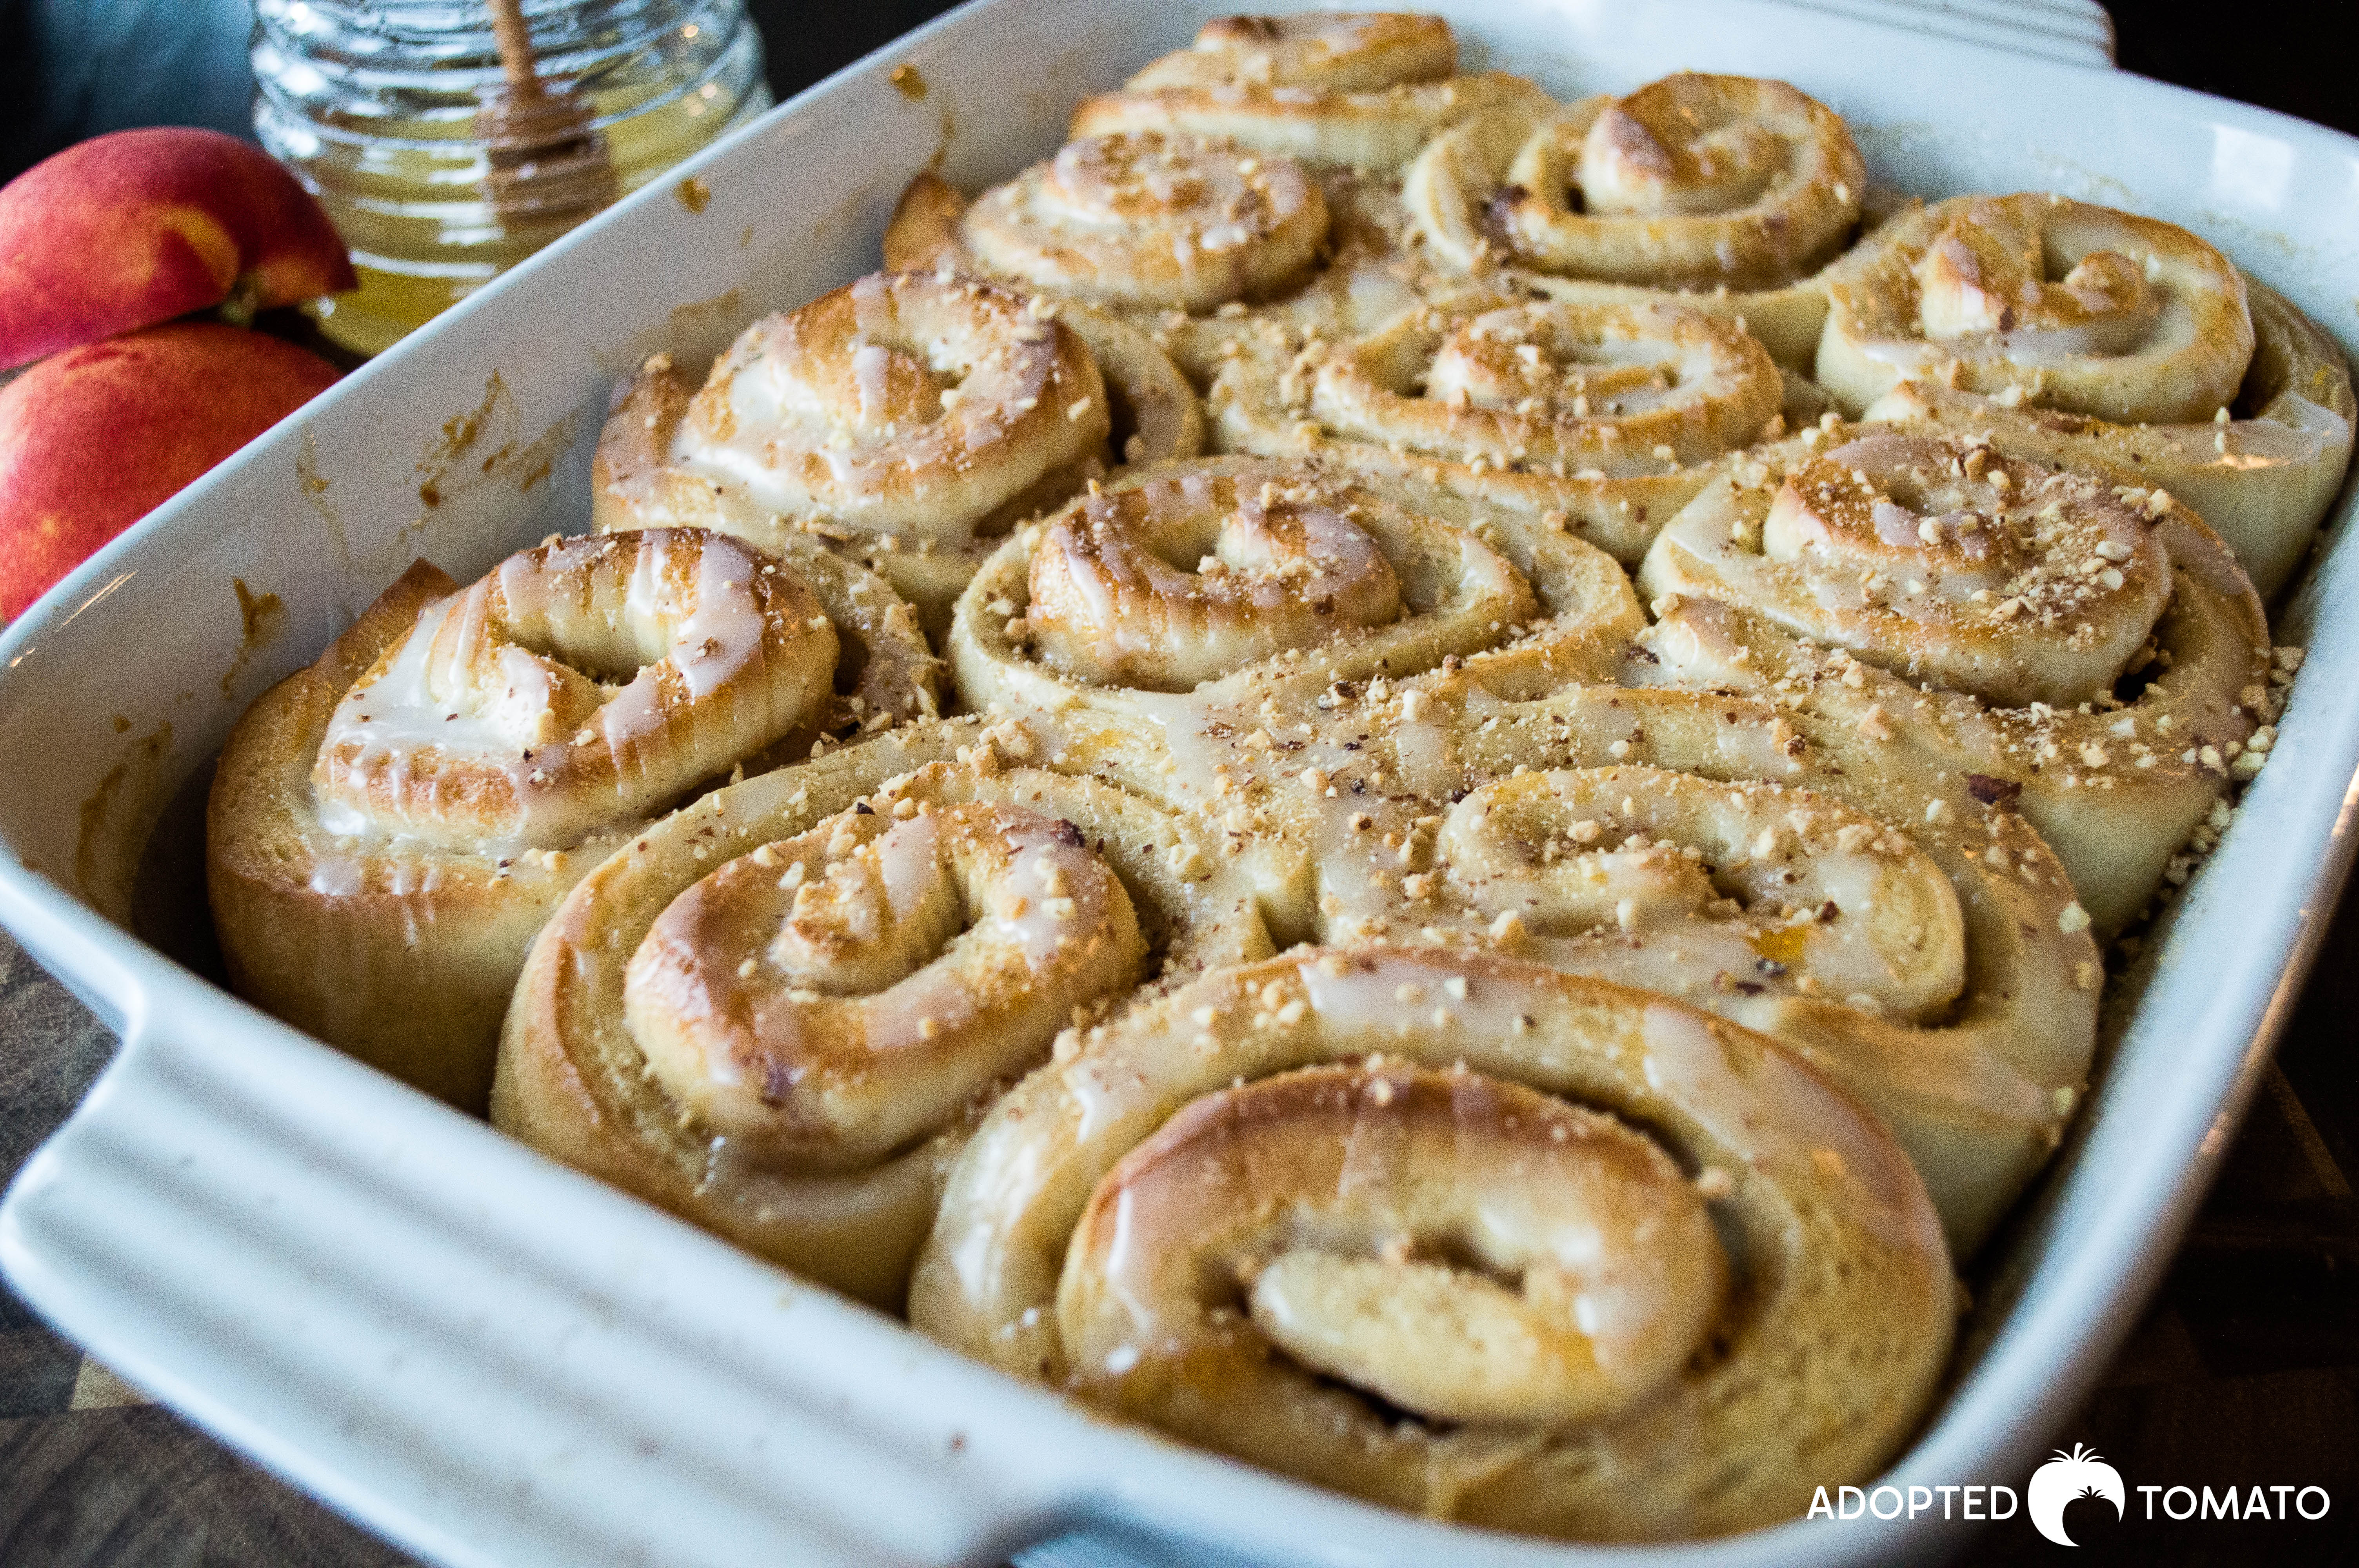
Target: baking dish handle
(507,1340)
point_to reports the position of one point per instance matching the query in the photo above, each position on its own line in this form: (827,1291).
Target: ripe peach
(95,439)
(136,227)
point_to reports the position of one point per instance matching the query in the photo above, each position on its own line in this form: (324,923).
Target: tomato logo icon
(2065,1480)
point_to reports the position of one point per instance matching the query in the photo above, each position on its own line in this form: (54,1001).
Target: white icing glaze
(1147,220)
(826,997)
(905,404)
(2070,305)
(1932,557)
(1278,565)
(494,719)
(1464,1247)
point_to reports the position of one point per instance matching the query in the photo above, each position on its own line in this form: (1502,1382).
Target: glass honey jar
(379,106)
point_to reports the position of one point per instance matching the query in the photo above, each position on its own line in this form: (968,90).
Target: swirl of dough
(2261,472)
(1198,600)
(390,826)
(1691,182)
(1445,1230)
(2121,759)
(1273,568)
(830,998)
(1146,220)
(580,684)
(1939,561)
(2057,303)
(777,1012)
(1349,274)
(1546,383)
(1748,895)
(907,418)
(901,402)
(1617,1276)
(1359,90)
(1931,981)
(1606,414)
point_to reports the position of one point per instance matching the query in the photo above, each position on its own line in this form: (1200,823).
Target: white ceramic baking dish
(492,1360)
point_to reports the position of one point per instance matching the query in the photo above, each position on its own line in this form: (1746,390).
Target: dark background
(2245,1370)
(70,68)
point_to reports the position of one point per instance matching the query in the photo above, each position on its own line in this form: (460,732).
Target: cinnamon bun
(1459,1234)
(1606,417)
(390,826)
(2082,308)
(777,1012)
(2090,656)
(1353,89)
(1175,614)
(905,419)
(1193,242)
(1136,220)
(1733,190)
(1931,972)
(2100,340)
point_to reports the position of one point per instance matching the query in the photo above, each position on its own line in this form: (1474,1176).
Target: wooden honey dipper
(548,166)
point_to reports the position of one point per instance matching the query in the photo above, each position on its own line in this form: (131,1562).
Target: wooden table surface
(2244,1371)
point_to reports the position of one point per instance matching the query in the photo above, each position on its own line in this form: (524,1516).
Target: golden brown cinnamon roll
(1219,581)
(1354,89)
(1191,242)
(1133,220)
(2099,340)
(1691,182)
(1272,573)
(2091,656)
(776,1013)
(1462,1235)
(1733,190)
(1605,416)
(1930,971)
(2140,321)
(907,419)
(390,826)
